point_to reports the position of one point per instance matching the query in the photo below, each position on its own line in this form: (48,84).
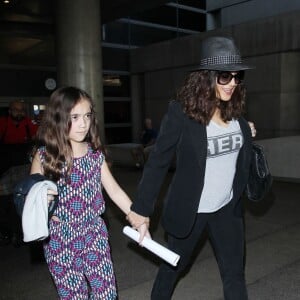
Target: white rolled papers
(161,251)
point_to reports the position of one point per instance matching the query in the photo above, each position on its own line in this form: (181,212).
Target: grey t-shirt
(223,148)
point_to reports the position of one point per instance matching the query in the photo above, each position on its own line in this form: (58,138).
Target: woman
(204,127)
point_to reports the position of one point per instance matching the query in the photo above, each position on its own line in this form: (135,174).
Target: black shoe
(4,239)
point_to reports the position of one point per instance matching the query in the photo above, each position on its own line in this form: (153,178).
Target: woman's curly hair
(199,100)
(53,132)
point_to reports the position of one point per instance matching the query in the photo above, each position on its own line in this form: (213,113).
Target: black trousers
(226,233)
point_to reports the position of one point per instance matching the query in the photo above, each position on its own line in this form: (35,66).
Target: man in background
(16,132)
(16,128)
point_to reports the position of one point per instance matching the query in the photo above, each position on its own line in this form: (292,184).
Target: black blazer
(187,139)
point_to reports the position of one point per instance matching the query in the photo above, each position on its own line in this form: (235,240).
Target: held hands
(136,220)
(140,223)
(143,230)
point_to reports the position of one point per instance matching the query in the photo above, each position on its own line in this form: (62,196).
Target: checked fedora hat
(220,54)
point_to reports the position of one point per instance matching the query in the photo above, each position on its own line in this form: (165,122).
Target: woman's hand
(252,127)
(144,232)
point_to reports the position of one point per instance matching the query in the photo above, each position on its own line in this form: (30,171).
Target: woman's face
(226,82)
(81,121)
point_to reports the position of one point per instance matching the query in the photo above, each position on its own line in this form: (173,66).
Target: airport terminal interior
(131,56)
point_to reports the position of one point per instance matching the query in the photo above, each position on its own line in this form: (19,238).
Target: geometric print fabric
(78,255)
(77,251)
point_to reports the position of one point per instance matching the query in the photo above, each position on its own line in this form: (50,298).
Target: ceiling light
(112,81)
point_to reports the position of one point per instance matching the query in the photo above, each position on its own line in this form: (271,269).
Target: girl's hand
(137,220)
(253,130)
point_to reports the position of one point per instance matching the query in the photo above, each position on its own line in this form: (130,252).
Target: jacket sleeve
(159,160)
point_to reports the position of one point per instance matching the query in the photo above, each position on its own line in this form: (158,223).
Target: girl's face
(81,121)
(226,82)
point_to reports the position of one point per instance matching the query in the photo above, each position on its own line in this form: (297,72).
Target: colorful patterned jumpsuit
(77,252)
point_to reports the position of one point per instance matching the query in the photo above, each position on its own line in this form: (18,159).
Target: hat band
(221,60)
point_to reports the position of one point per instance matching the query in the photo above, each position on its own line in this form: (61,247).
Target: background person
(16,133)
(17,127)
(212,142)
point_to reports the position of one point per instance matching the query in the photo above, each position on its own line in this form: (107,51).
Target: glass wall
(169,21)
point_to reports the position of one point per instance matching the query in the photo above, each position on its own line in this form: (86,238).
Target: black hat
(220,54)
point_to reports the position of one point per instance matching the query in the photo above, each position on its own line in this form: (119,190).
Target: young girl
(212,142)
(69,152)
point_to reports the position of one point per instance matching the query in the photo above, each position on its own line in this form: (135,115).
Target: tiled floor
(272,265)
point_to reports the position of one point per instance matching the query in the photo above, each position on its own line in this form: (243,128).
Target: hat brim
(227,67)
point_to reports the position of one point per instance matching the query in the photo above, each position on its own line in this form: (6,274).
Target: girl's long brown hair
(199,100)
(53,132)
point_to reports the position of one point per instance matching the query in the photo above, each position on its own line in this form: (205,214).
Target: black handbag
(260,178)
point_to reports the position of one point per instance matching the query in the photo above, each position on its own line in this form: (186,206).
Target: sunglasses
(226,77)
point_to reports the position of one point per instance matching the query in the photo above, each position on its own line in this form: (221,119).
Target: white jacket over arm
(35,212)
